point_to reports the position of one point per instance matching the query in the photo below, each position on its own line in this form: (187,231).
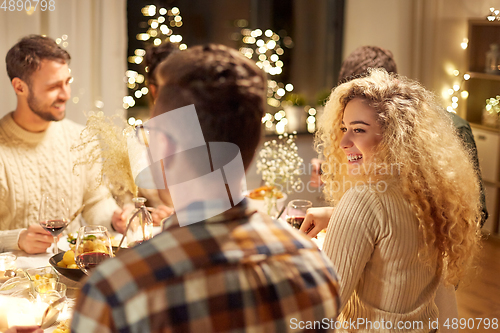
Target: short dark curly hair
(357,63)
(25,58)
(226,88)
(154,56)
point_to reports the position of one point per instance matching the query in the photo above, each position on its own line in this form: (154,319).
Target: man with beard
(35,150)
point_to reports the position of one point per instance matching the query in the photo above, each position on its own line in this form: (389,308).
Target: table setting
(33,290)
(31,284)
(40,289)
(281,166)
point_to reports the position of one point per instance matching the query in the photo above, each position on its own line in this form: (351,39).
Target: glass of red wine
(93,246)
(296,212)
(54,215)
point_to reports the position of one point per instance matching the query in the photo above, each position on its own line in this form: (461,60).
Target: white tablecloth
(25,261)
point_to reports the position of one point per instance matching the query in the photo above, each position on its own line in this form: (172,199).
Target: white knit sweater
(34,163)
(373,241)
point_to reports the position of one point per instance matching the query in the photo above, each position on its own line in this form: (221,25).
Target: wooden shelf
(483,22)
(481,86)
(485,182)
(484,127)
(484,76)
(482,33)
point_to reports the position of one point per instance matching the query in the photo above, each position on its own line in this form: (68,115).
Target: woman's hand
(316,220)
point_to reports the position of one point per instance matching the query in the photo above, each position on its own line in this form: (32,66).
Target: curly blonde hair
(435,170)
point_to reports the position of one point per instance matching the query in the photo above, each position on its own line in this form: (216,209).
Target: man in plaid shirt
(239,271)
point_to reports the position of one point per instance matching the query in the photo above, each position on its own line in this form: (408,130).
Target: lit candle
(20,319)
(39,308)
(3,313)
(16,311)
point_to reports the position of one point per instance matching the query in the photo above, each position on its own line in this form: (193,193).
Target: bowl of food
(42,277)
(64,263)
(256,198)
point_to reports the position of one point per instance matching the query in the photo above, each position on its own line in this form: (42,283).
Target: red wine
(55,227)
(88,260)
(295,221)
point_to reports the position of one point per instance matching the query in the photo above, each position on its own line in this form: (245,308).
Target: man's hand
(35,239)
(161,212)
(120,218)
(316,220)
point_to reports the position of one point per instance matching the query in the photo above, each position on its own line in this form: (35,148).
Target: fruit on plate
(68,260)
(43,282)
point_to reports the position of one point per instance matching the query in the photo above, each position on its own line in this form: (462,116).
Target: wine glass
(93,246)
(54,215)
(296,212)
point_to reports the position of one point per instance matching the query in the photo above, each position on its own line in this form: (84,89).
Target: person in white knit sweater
(35,150)
(406,198)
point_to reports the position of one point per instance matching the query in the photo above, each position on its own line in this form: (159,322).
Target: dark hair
(226,88)
(357,63)
(25,58)
(154,56)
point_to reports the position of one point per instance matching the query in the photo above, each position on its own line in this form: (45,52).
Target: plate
(260,204)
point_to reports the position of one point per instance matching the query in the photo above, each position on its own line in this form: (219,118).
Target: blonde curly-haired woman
(406,203)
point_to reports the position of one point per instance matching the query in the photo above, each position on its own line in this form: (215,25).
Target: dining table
(25,261)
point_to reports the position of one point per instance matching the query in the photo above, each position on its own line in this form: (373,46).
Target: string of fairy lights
(493,15)
(266,48)
(162,23)
(456,91)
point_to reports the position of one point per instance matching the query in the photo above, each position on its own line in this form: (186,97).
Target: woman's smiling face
(362,133)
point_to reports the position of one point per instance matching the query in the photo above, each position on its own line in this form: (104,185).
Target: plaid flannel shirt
(236,272)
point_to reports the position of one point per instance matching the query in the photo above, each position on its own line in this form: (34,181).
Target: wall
(424,35)
(384,23)
(97,44)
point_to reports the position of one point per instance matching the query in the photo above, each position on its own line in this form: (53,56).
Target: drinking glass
(296,212)
(54,215)
(93,246)
(49,292)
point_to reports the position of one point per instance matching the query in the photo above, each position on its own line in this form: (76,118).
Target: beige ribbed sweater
(34,163)
(373,241)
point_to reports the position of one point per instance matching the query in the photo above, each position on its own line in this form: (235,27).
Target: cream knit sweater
(34,163)
(373,241)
